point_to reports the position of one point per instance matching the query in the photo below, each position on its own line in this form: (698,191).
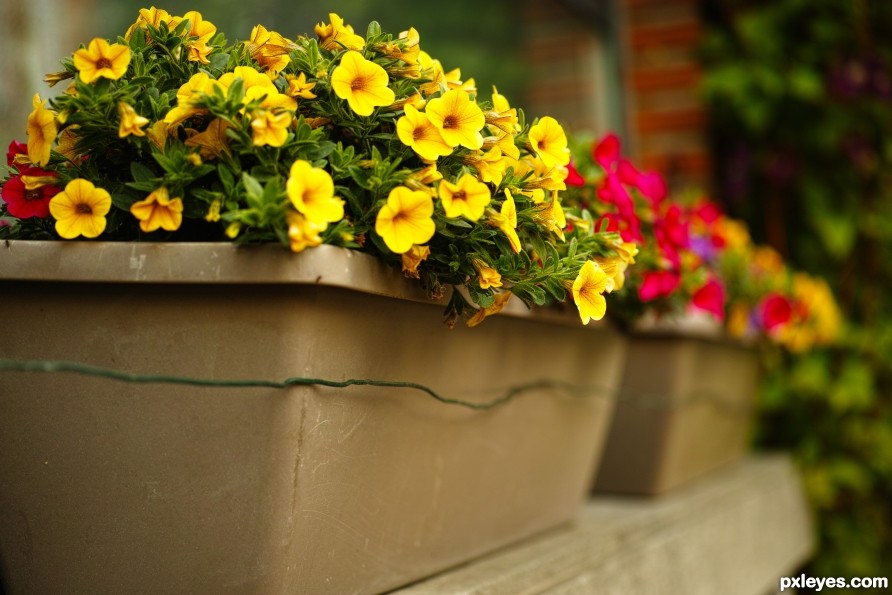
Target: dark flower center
(103,63)
(450,122)
(84,209)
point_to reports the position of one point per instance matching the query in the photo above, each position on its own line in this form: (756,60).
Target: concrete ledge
(736,531)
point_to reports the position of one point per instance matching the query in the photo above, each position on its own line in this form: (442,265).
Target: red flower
(15,148)
(24,203)
(775,310)
(650,184)
(574,178)
(711,298)
(606,152)
(658,284)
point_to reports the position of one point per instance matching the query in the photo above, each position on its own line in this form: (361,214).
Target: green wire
(647,401)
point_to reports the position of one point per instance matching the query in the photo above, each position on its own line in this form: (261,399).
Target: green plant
(171,133)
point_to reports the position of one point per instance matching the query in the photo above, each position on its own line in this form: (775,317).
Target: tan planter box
(115,487)
(684,408)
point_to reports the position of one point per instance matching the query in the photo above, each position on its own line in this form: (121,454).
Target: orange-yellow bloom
(41,130)
(412,259)
(468,197)
(362,83)
(501,299)
(201,32)
(311,191)
(406,219)
(270,128)
(486,275)
(588,288)
(270,49)
(299,87)
(459,119)
(131,122)
(158,210)
(337,35)
(101,59)
(549,142)
(416,130)
(506,220)
(80,209)
(303,233)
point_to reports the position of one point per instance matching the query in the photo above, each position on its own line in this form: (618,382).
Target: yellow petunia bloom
(200,32)
(406,219)
(158,211)
(101,59)
(299,87)
(491,165)
(337,35)
(213,142)
(506,220)
(270,49)
(416,131)
(549,142)
(188,95)
(587,290)
(468,197)
(270,128)
(362,83)
(41,130)
(459,119)
(486,275)
(80,209)
(412,259)
(303,233)
(149,16)
(501,299)
(431,69)
(311,191)
(131,122)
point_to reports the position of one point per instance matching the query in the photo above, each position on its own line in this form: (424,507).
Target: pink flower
(606,152)
(658,284)
(775,310)
(711,298)
(24,203)
(650,184)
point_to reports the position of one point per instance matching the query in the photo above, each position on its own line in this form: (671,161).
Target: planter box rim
(227,263)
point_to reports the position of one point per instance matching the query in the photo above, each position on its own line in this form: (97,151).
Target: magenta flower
(711,298)
(24,203)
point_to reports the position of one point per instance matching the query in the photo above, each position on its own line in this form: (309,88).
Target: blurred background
(780,110)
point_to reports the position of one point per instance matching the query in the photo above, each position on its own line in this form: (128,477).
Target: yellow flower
(482,313)
(549,142)
(303,233)
(459,119)
(337,36)
(506,220)
(80,209)
(491,165)
(591,282)
(158,210)
(432,70)
(270,49)
(188,95)
(41,132)
(406,219)
(213,214)
(131,122)
(362,83)
(502,116)
(486,275)
(311,191)
(468,197)
(270,128)
(413,258)
(201,31)
(149,16)
(212,143)
(299,87)
(100,59)
(416,130)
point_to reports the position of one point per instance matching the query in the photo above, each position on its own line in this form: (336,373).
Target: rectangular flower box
(684,408)
(112,485)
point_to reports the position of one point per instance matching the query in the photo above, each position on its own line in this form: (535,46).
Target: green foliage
(801,100)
